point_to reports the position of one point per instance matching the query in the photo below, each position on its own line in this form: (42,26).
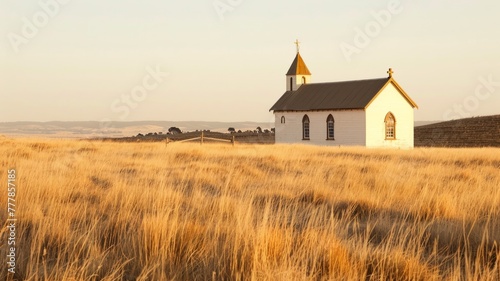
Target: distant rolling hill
(469,132)
(93,129)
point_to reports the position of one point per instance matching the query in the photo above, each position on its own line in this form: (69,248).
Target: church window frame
(306,128)
(330,128)
(283,119)
(390,126)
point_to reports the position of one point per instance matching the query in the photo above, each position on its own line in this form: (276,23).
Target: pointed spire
(298,67)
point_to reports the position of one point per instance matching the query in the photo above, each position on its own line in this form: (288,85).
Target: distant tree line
(231,130)
(257,130)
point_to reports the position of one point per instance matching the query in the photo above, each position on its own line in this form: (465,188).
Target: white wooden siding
(390,100)
(350,129)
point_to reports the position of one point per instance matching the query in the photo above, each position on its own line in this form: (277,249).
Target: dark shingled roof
(330,96)
(298,67)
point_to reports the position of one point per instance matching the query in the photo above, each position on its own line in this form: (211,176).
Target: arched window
(291,83)
(282,119)
(330,128)
(390,127)
(303,79)
(305,127)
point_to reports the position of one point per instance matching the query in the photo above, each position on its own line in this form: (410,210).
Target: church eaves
(336,96)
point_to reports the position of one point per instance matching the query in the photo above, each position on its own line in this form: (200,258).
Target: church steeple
(298,73)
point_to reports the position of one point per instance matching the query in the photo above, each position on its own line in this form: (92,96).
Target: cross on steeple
(390,72)
(298,45)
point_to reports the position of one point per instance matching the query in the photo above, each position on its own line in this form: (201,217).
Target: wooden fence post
(232,141)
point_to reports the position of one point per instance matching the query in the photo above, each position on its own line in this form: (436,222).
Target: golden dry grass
(145,211)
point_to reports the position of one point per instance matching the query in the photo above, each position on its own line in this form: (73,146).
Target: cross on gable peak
(390,72)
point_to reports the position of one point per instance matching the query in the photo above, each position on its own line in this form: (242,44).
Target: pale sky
(225,60)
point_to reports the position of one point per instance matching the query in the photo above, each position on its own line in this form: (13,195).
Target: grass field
(147,211)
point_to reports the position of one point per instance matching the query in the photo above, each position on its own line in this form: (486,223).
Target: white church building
(370,113)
